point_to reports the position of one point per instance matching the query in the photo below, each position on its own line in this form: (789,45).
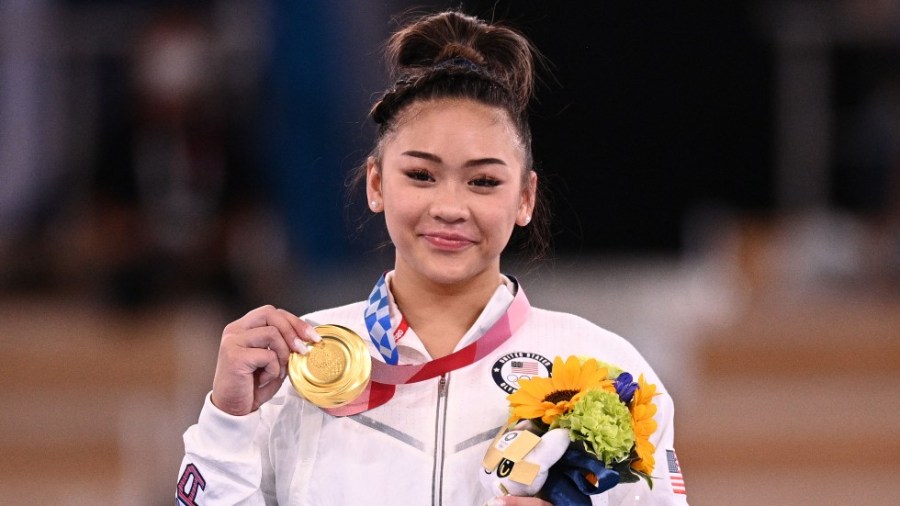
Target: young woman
(452,174)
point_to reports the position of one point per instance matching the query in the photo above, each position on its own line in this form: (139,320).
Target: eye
(485,182)
(419,175)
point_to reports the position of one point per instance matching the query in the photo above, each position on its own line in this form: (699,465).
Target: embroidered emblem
(189,486)
(519,365)
(675,476)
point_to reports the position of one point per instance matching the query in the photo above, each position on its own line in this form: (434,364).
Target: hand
(548,450)
(511,500)
(253,358)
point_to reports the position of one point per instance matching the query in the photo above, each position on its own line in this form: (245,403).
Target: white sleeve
(668,485)
(222,462)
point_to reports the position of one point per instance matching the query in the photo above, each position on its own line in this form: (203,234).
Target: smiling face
(452,186)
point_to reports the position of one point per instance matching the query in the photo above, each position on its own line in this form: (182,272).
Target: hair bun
(456,50)
(503,53)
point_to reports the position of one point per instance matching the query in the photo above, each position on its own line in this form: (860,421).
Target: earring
(373,205)
(527,220)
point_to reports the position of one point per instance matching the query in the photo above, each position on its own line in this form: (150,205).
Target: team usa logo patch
(519,365)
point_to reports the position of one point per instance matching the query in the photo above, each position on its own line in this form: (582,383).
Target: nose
(449,204)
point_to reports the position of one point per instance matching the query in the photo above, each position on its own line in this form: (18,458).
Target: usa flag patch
(675,477)
(525,367)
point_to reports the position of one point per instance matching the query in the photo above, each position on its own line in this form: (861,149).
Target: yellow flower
(642,412)
(548,398)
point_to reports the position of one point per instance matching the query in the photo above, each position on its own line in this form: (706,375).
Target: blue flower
(625,387)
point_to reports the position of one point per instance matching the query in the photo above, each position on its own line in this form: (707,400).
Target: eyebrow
(469,163)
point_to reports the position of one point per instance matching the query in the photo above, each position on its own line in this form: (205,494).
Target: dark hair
(454,55)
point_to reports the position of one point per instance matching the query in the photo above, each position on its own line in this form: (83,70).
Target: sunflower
(548,398)
(642,411)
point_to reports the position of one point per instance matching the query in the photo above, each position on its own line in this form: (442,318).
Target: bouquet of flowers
(607,416)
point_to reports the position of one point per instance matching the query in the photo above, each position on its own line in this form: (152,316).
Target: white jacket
(423,447)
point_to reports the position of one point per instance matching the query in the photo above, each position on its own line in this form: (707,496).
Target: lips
(448,241)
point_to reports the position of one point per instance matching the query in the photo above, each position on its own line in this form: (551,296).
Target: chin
(447,276)
(447,269)
(452,273)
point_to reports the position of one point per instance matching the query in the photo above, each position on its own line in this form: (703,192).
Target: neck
(440,314)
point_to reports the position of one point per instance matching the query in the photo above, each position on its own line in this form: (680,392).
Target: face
(452,187)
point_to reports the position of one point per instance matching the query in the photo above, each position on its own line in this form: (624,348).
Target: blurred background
(724,177)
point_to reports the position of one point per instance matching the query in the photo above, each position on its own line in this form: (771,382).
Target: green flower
(604,424)
(613,371)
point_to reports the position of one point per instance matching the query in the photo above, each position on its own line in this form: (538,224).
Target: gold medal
(335,371)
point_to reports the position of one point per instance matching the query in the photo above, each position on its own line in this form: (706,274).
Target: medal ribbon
(386,377)
(378,322)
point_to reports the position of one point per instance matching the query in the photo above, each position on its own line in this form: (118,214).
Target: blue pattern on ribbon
(378,322)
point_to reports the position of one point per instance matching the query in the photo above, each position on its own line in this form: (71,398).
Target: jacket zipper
(440,425)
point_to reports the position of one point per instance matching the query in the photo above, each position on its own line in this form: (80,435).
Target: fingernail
(300,347)
(495,502)
(312,335)
(264,384)
(283,371)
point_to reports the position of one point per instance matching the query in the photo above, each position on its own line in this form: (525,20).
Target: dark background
(653,121)
(649,109)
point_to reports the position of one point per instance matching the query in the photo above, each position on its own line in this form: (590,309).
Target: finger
(254,318)
(250,360)
(263,316)
(266,392)
(270,373)
(239,372)
(258,337)
(272,317)
(285,322)
(265,337)
(303,329)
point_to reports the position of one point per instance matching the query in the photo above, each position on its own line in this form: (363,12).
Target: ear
(526,205)
(373,185)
